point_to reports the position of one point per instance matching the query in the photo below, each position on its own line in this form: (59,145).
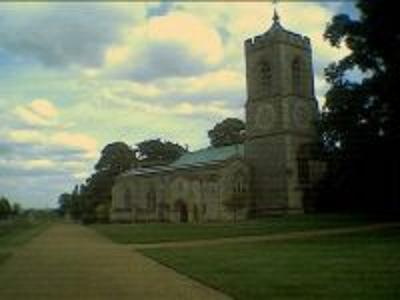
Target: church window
(151,200)
(296,77)
(127,198)
(266,76)
(239,184)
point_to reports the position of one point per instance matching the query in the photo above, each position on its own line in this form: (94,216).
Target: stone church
(270,173)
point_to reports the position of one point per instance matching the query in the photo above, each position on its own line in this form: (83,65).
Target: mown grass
(167,232)
(3,256)
(351,266)
(14,233)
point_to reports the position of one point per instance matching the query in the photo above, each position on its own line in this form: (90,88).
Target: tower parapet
(275,36)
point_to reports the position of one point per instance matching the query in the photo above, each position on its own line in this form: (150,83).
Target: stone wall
(194,195)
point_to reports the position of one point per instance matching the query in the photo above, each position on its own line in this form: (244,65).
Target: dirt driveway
(73,262)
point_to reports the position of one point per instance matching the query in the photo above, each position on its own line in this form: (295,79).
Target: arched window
(266,77)
(151,200)
(127,198)
(239,184)
(296,77)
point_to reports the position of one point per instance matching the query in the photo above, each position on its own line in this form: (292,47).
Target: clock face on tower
(302,115)
(264,117)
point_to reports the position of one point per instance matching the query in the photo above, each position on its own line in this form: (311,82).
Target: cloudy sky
(75,77)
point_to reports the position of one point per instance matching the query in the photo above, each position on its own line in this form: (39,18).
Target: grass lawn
(3,256)
(167,232)
(17,232)
(351,266)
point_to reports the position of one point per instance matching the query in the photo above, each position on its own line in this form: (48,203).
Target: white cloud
(321,86)
(177,44)
(40,112)
(189,31)
(65,34)
(76,140)
(214,108)
(27,136)
(72,140)
(39,163)
(44,108)
(220,80)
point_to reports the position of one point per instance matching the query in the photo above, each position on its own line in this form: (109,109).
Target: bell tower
(281,111)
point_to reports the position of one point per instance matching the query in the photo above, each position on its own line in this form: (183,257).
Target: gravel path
(73,262)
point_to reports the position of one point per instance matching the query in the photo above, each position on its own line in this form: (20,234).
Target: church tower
(281,111)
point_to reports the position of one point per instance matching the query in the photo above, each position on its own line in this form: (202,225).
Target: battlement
(281,36)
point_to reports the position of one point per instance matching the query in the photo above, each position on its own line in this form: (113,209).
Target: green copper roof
(209,154)
(203,157)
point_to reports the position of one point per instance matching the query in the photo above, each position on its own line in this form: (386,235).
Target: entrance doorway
(182,211)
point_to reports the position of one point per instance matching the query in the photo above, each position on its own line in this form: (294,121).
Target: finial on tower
(276,16)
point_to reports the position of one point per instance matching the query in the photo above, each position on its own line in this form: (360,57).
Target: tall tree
(64,203)
(361,119)
(16,209)
(116,158)
(5,208)
(228,132)
(156,151)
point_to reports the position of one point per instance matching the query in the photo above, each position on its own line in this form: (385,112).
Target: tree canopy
(361,118)
(156,151)
(365,110)
(64,203)
(116,158)
(8,209)
(5,208)
(228,132)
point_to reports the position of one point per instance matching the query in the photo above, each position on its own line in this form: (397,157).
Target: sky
(77,76)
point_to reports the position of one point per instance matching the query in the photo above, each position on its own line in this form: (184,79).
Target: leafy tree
(91,202)
(98,189)
(157,151)
(228,132)
(76,205)
(361,119)
(5,208)
(102,213)
(64,203)
(87,202)
(116,158)
(16,209)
